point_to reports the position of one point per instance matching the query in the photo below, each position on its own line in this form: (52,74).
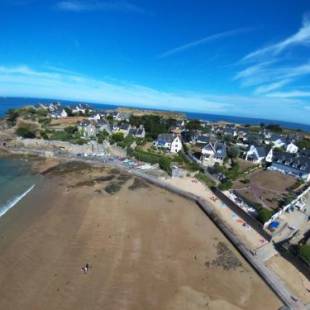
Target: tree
(25,132)
(193,125)
(304,143)
(69,111)
(12,116)
(264,215)
(117,137)
(274,128)
(233,152)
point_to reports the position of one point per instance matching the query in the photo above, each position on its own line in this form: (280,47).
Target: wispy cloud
(204,40)
(268,69)
(64,84)
(301,37)
(96,5)
(290,94)
(263,89)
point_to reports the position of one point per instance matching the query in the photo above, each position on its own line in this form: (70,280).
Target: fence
(256,225)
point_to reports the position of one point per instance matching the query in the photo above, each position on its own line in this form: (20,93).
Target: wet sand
(147,249)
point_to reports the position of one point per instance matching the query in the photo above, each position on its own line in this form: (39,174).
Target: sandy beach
(147,249)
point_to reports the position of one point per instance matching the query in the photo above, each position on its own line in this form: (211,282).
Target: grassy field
(266,188)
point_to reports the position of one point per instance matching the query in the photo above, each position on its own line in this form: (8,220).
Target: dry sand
(147,248)
(295,280)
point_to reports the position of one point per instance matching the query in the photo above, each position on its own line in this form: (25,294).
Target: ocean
(16,181)
(7,103)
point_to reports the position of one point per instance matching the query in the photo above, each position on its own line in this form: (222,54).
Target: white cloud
(270,69)
(95,5)
(301,37)
(23,81)
(205,40)
(290,94)
(271,87)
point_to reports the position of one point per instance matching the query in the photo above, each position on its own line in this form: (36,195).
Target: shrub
(25,132)
(117,137)
(12,116)
(165,164)
(264,215)
(304,252)
(204,179)
(225,185)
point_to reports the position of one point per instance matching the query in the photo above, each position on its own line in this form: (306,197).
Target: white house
(123,128)
(292,148)
(59,113)
(277,141)
(170,142)
(81,109)
(137,132)
(96,117)
(256,154)
(87,129)
(269,156)
(213,153)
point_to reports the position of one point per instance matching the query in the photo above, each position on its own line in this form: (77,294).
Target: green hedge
(304,252)
(164,162)
(204,179)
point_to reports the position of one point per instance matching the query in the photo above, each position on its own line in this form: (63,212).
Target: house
(292,148)
(202,140)
(277,141)
(291,164)
(121,116)
(87,128)
(137,132)
(214,151)
(256,153)
(242,133)
(170,142)
(102,125)
(230,132)
(59,113)
(124,128)
(253,138)
(81,109)
(95,117)
(54,106)
(186,136)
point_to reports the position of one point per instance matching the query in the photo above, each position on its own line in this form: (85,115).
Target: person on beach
(85,268)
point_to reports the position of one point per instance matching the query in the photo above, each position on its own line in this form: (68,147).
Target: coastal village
(255,177)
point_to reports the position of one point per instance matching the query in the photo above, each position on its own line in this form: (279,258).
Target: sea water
(16,182)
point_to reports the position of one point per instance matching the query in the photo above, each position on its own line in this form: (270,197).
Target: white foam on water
(12,202)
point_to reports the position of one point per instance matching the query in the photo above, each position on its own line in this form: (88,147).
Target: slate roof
(165,138)
(296,161)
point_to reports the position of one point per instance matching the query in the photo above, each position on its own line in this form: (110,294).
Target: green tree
(274,128)
(233,152)
(264,215)
(12,115)
(26,132)
(69,111)
(117,137)
(193,125)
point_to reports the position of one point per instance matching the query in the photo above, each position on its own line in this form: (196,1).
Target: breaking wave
(12,202)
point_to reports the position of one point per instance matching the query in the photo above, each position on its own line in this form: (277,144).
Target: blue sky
(247,58)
